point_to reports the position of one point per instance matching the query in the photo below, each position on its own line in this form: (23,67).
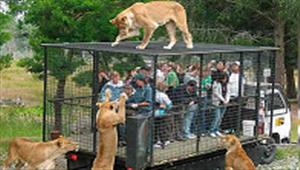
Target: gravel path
(288,158)
(290,163)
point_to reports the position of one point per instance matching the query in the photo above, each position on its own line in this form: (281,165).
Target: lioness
(107,120)
(236,158)
(150,16)
(37,155)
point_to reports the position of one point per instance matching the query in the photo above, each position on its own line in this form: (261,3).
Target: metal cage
(71,90)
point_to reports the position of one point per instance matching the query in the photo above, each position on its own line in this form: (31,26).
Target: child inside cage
(162,121)
(220,97)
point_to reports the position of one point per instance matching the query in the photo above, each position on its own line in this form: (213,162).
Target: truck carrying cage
(160,136)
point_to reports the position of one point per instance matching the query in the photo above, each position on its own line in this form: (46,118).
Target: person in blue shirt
(115,85)
(141,100)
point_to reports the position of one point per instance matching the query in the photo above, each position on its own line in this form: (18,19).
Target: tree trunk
(290,80)
(60,93)
(279,33)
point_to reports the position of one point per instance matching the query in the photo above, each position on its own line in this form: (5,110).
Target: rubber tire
(268,151)
(286,141)
(276,138)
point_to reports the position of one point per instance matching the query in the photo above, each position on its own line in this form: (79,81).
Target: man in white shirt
(233,83)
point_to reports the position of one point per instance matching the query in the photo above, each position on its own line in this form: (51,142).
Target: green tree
(66,21)
(5,60)
(265,22)
(4,34)
(63,21)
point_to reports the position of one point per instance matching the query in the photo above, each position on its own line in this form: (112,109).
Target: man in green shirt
(172,79)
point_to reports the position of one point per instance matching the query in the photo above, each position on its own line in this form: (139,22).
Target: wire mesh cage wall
(69,95)
(188,98)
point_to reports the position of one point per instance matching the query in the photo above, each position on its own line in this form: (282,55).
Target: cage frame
(154,55)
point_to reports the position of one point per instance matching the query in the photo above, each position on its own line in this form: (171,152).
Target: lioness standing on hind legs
(150,16)
(107,120)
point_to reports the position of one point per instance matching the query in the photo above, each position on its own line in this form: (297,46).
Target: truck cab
(281,129)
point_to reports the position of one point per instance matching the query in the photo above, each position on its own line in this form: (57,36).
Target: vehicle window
(278,102)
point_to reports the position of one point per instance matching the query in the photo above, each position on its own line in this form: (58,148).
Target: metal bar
(94,98)
(220,56)
(257,93)
(155,48)
(273,71)
(198,124)
(45,92)
(240,93)
(154,62)
(298,121)
(72,98)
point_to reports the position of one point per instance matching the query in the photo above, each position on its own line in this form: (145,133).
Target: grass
(287,151)
(17,82)
(19,122)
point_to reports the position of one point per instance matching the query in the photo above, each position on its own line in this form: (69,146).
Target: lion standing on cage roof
(150,16)
(107,119)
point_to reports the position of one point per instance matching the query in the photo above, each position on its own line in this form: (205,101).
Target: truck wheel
(286,140)
(276,137)
(268,151)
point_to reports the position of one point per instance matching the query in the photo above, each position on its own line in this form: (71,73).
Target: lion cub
(37,155)
(150,16)
(236,158)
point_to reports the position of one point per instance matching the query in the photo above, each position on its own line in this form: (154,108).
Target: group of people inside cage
(179,93)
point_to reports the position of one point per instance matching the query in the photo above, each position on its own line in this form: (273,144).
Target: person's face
(164,68)
(194,73)
(191,88)
(145,72)
(220,66)
(206,73)
(115,79)
(235,68)
(140,83)
(133,72)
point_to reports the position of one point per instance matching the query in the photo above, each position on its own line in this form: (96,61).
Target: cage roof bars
(156,48)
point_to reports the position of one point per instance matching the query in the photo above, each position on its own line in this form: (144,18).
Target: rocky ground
(287,158)
(290,163)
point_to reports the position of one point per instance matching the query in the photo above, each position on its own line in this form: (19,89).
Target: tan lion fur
(236,158)
(107,120)
(150,16)
(37,155)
